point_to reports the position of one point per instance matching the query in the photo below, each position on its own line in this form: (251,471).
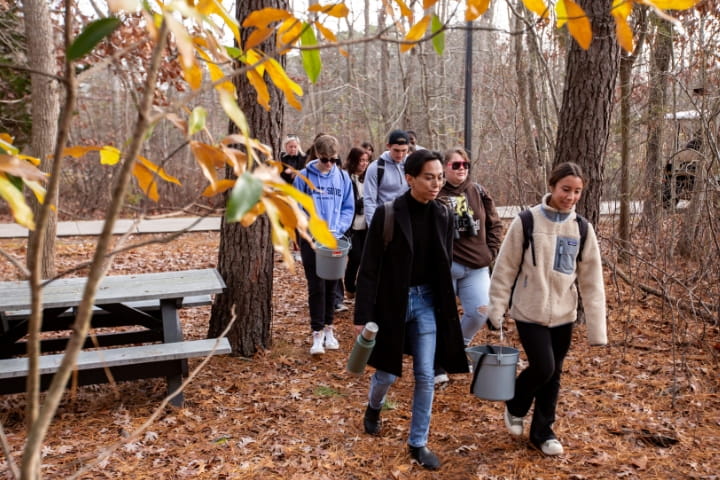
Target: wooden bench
(126,363)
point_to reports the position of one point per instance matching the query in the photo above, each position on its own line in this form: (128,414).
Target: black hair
(416,160)
(565,169)
(353,160)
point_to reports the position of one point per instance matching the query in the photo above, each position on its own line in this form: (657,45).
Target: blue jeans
(420,333)
(472,285)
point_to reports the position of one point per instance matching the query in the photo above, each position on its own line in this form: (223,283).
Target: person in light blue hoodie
(334,201)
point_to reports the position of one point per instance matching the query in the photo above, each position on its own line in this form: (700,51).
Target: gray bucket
(493,371)
(330,263)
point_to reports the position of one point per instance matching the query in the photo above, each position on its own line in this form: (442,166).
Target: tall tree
(245,258)
(584,123)
(45,112)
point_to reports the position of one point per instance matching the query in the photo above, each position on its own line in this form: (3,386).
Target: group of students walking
(430,235)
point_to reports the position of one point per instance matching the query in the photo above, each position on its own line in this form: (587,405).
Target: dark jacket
(383,283)
(295,161)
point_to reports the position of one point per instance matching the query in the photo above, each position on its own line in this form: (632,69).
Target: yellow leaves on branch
(144,171)
(415,34)
(17,170)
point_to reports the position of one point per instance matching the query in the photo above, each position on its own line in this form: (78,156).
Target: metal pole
(468,89)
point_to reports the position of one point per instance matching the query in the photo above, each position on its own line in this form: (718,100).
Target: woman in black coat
(406,288)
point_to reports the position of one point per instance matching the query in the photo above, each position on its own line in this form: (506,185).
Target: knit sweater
(545,294)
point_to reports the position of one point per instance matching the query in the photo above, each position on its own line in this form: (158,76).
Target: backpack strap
(389,224)
(583,227)
(528,224)
(380,174)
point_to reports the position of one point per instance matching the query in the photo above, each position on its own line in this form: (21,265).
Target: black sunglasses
(326,160)
(459,165)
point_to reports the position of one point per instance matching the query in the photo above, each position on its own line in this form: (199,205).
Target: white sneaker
(317,346)
(331,342)
(441,378)
(552,447)
(341,307)
(514,424)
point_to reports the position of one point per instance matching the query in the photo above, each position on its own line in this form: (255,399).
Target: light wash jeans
(472,285)
(420,333)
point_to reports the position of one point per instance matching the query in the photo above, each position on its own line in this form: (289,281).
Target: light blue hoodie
(392,185)
(333,195)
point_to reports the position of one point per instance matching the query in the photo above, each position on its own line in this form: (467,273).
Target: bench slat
(87,360)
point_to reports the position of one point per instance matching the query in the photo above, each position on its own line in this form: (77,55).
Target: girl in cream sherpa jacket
(545,294)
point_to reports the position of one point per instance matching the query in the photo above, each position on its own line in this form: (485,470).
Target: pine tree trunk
(584,123)
(245,259)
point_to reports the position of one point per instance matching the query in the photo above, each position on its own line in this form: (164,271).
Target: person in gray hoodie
(385,177)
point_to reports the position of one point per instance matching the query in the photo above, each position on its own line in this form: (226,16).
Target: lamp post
(468,89)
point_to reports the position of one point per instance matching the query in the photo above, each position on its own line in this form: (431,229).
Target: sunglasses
(459,165)
(326,160)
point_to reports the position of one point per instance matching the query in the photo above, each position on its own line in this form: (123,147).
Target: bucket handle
(476,370)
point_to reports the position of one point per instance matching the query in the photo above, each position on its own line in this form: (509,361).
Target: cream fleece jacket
(545,294)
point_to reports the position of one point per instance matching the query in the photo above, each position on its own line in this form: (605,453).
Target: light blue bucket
(330,263)
(493,371)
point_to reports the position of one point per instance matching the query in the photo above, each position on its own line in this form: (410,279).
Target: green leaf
(438,40)
(244,196)
(91,36)
(310,58)
(197,120)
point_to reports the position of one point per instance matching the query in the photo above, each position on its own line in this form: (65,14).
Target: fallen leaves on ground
(642,407)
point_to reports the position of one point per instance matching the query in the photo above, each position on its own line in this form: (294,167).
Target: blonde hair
(326,146)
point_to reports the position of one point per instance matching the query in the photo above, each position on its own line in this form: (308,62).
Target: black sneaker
(425,457)
(371,421)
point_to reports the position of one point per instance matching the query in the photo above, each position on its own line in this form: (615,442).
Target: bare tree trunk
(245,260)
(587,104)
(384,79)
(45,113)
(661,54)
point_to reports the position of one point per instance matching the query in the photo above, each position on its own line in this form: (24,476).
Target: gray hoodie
(392,185)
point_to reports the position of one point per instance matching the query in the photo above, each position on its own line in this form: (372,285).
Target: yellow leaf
(263,94)
(78,151)
(14,197)
(404,10)
(288,216)
(671,4)
(6,144)
(416,33)
(183,41)
(207,7)
(538,7)
(289,32)
(621,8)
(317,226)
(252,214)
(218,187)
(252,57)
(578,24)
(560,14)
(326,32)
(157,170)
(337,10)
(231,108)
(283,82)
(33,160)
(260,19)
(109,155)
(428,4)
(237,159)
(146,181)
(37,189)
(475,8)
(20,168)
(209,158)
(624,34)
(216,73)
(257,36)
(193,76)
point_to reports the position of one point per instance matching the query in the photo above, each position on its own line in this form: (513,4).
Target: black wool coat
(383,283)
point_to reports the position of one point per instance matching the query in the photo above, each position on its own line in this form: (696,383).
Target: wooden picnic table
(149,301)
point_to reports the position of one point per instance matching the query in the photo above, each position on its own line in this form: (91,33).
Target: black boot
(425,457)
(372,421)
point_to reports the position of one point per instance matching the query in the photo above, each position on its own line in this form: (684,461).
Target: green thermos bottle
(362,348)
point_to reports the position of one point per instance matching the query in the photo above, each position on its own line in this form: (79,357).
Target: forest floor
(646,406)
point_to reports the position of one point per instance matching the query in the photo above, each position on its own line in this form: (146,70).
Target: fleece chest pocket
(566,251)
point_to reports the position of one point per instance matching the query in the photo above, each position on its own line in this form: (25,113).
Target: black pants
(358,242)
(540,381)
(321,292)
